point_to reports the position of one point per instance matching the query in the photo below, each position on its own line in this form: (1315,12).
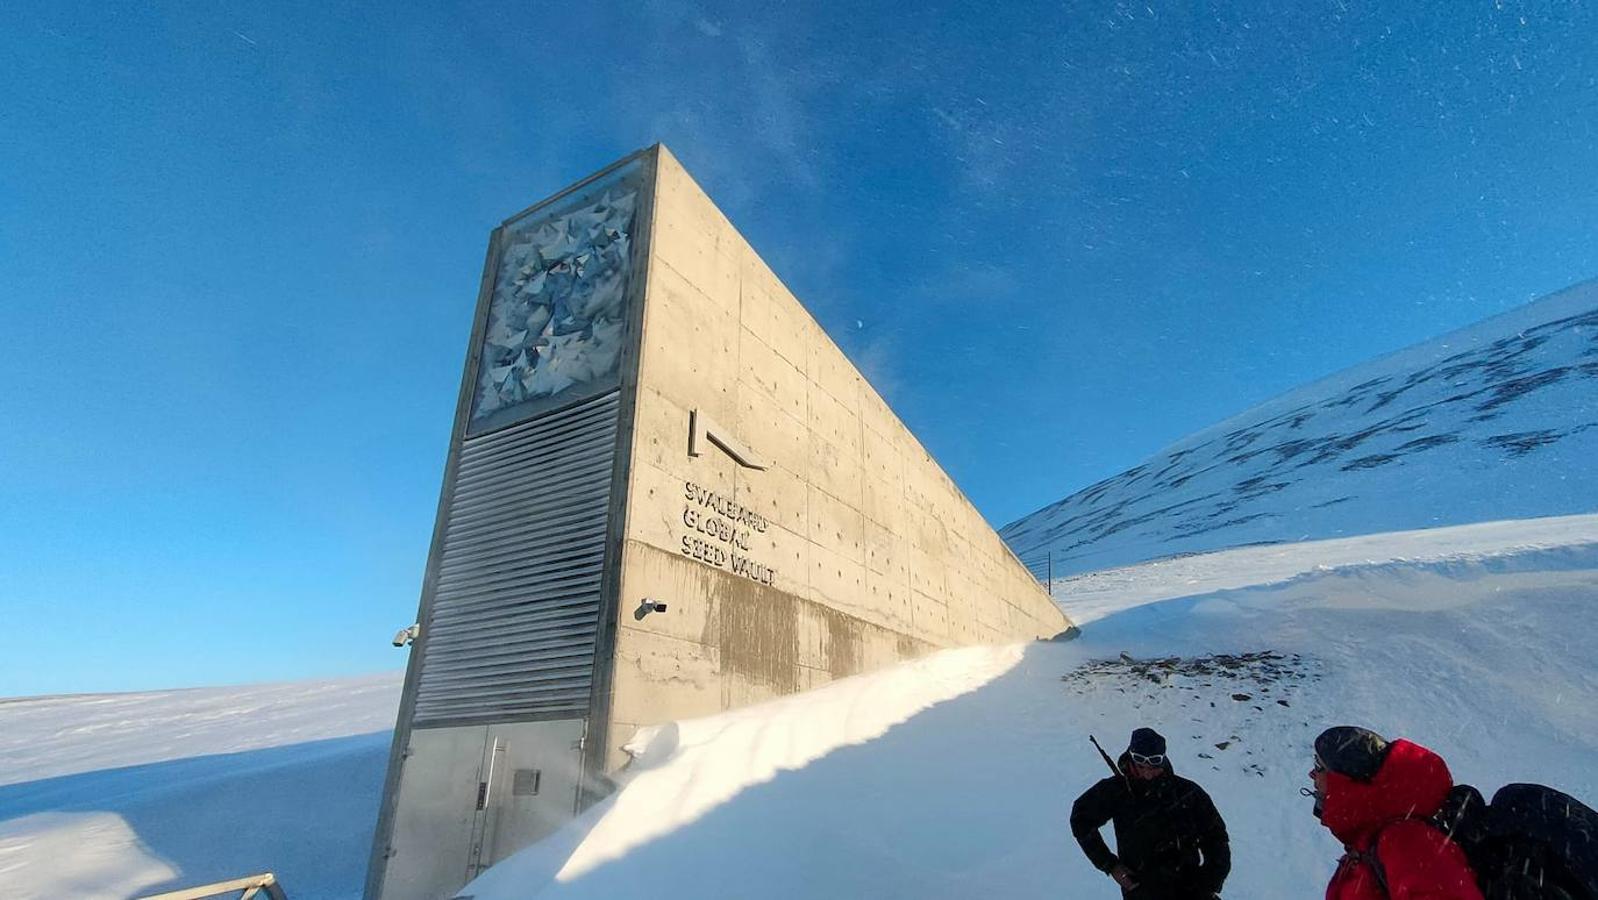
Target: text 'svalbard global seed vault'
(647,418)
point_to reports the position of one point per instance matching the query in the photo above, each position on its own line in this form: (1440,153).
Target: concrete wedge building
(667,494)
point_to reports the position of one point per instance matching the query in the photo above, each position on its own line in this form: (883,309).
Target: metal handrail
(252,886)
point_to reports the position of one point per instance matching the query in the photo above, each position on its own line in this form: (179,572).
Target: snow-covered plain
(951,776)
(1093,595)
(114,795)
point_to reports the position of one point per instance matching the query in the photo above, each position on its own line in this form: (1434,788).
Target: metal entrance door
(473,795)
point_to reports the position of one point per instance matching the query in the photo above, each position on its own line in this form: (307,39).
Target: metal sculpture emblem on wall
(703,432)
(557,319)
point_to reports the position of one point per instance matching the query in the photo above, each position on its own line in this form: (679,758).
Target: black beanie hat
(1352,751)
(1146,742)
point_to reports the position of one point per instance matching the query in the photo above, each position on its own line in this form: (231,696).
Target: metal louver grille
(516,595)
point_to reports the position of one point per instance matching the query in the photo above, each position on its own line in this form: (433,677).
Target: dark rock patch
(1522,443)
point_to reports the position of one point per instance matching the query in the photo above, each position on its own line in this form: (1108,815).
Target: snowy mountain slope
(1498,420)
(953,776)
(111,795)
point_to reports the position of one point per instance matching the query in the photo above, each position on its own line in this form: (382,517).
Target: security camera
(647,607)
(406,635)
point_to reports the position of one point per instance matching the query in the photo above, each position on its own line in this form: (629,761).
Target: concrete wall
(852,550)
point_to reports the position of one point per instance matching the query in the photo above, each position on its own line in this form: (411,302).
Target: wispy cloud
(777,108)
(720,92)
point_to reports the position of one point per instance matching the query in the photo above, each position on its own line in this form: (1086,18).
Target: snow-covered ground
(951,776)
(1491,422)
(1094,595)
(113,795)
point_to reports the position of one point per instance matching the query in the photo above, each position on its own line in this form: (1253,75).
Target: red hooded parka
(1386,816)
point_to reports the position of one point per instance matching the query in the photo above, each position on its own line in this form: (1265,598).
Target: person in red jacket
(1375,796)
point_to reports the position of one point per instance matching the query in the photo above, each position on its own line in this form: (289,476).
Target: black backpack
(1530,843)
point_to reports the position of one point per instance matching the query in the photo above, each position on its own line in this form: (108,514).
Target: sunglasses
(1156,759)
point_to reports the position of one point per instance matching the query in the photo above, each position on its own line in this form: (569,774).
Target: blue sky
(240,243)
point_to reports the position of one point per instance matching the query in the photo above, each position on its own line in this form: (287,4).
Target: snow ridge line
(1562,543)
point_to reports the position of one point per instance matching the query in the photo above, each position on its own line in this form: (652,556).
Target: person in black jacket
(1170,841)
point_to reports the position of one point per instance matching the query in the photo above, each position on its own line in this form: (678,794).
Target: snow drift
(953,776)
(115,795)
(1496,421)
